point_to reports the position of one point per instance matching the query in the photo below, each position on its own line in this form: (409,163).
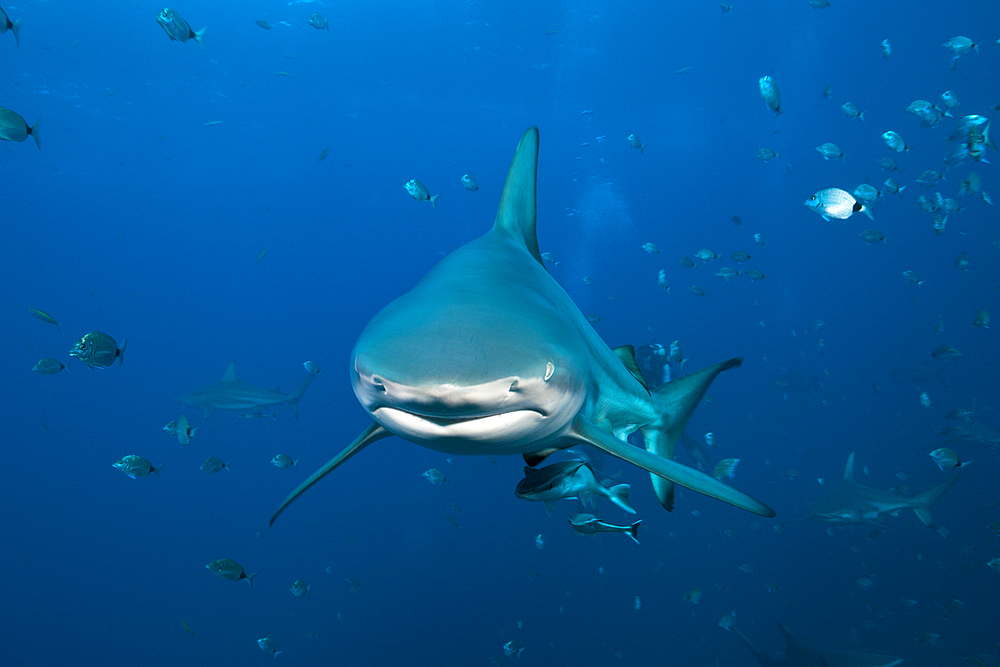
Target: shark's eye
(550,368)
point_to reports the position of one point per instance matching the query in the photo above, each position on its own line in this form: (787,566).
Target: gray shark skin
(799,655)
(231,394)
(849,502)
(488,355)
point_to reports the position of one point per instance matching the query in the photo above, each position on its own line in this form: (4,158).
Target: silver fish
(650,248)
(98,350)
(6,24)
(230,570)
(892,187)
(435,476)
(48,366)
(181,429)
(568,479)
(766,155)
(634,142)
(300,588)
(283,462)
(886,48)
(15,128)
(836,203)
(213,465)
(830,151)
(135,466)
(177,28)
(770,94)
(266,645)
(319,21)
(420,192)
(851,110)
(469,183)
(894,141)
(588,524)
(707,255)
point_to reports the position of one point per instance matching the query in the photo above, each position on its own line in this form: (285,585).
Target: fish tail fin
(275,654)
(868,211)
(923,501)
(200,37)
(33,131)
(434,200)
(16,29)
(295,463)
(633,531)
(618,494)
(676,401)
(250,578)
(121,352)
(156,471)
(862,114)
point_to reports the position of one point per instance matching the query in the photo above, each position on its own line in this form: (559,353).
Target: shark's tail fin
(676,400)
(296,395)
(924,501)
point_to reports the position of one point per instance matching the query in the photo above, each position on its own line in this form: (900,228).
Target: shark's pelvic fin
(371,434)
(516,215)
(591,434)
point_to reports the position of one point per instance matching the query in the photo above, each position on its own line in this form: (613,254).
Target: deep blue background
(136,218)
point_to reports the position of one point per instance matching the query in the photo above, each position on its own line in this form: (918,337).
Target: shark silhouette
(848,502)
(231,394)
(487,354)
(799,655)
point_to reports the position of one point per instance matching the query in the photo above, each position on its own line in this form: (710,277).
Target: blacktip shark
(488,355)
(799,655)
(231,394)
(849,502)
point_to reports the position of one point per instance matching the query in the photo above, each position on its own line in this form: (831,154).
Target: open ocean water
(244,201)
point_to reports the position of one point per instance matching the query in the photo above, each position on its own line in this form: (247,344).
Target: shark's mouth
(506,432)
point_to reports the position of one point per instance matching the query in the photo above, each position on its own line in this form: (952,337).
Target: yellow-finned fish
(177,28)
(5,24)
(14,128)
(44,317)
(98,350)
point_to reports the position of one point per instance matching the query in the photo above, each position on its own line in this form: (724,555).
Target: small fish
(568,479)
(827,91)
(759,240)
(925,399)
(886,48)
(261,255)
(593,319)
(588,524)
(44,317)
(661,280)
(539,542)
(741,256)
(892,187)
(929,177)
(353,584)
(322,155)
(962,261)
(946,459)
(135,466)
(982,320)
(469,183)
(512,650)
(213,465)
(693,596)
(300,588)
(319,21)
(48,366)
(726,622)
(266,645)
(634,142)
(912,278)
(725,469)
(710,439)
(420,192)
(887,163)
(727,273)
(181,429)
(950,100)
(830,151)
(435,476)
(960,45)
(311,367)
(836,203)
(98,350)
(697,291)
(263,24)
(14,128)
(867,193)
(706,255)
(766,155)
(972,185)
(725,7)
(736,220)
(588,281)
(230,570)
(753,275)
(686,262)
(945,353)
(871,236)
(770,94)
(177,28)
(6,24)
(894,141)
(281,461)
(851,110)
(651,248)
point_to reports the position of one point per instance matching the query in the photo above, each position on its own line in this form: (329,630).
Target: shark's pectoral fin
(588,432)
(371,434)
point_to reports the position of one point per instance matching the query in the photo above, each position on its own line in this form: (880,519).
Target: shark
(488,355)
(849,502)
(799,655)
(231,394)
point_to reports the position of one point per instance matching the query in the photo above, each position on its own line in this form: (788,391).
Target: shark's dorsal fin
(849,469)
(516,215)
(795,647)
(626,354)
(230,374)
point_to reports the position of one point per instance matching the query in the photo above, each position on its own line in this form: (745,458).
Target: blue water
(138,219)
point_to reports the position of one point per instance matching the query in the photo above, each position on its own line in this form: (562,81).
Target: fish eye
(812,198)
(550,368)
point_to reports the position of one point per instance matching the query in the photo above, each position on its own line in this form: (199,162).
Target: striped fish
(98,349)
